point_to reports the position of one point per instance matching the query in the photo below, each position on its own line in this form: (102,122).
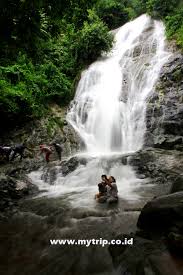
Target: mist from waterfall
(108,111)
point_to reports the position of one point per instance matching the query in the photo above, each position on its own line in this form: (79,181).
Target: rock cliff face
(165,108)
(159,165)
(53,127)
(164,135)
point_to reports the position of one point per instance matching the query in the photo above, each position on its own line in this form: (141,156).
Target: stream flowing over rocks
(139,141)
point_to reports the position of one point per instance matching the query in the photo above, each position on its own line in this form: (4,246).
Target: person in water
(112,190)
(102,187)
(46,150)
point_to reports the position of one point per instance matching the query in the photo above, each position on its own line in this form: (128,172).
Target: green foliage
(138,6)
(179,37)
(174,26)
(46,44)
(52,123)
(160,9)
(25,89)
(51,52)
(23,25)
(112,12)
(93,39)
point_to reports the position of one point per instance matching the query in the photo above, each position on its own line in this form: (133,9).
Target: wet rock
(163,166)
(70,165)
(50,173)
(175,242)
(177,184)
(11,190)
(162,213)
(158,246)
(84,213)
(51,128)
(167,142)
(164,109)
(144,257)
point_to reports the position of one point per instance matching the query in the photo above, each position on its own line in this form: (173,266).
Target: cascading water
(109,109)
(110,103)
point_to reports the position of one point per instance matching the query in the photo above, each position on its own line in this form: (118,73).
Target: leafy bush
(174,26)
(26,88)
(112,12)
(93,39)
(158,8)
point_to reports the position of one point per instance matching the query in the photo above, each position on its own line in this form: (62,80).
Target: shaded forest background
(45,44)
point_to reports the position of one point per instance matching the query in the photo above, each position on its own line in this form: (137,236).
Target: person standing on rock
(18,150)
(46,150)
(59,149)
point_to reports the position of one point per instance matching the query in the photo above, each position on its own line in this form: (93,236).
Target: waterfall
(109,111)
(109,107)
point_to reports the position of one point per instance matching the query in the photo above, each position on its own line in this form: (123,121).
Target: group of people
(47,150)
(11,152)
(108,191)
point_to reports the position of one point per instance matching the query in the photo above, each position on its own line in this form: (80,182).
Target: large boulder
(145,257)
(162,214)
(158,247)
(163,166)
(69,166)
(12,189)
(177,184)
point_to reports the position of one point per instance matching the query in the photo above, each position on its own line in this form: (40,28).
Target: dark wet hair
(104,176)
(113,179)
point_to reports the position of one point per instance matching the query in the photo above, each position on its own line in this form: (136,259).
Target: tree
(93,39)
(112,12)
(159,8)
